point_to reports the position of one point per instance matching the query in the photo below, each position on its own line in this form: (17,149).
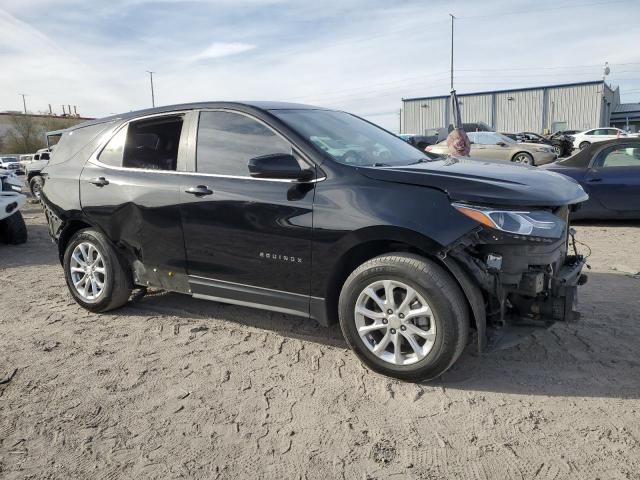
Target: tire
(449,315)
(524,158)
(115,276)
(13,230)
(35,185)
(584,145)
(558,150)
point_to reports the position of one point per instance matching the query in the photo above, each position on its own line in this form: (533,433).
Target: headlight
(535,223)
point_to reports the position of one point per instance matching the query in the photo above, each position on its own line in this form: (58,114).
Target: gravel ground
(172,387)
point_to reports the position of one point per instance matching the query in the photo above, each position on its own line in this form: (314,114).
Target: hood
(486,182)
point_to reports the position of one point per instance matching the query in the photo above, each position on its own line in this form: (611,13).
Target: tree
(25,135)
(27,132)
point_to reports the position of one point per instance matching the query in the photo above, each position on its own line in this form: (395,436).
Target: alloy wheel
(88,272)
(395,322)
(522,158)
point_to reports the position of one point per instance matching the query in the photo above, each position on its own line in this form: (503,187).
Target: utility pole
(153,98)
(452,20)
(24,102)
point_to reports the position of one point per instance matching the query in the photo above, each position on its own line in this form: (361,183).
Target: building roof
(627,107)
(509,90)
(44,115)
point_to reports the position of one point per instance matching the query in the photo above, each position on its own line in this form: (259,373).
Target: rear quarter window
(84,140)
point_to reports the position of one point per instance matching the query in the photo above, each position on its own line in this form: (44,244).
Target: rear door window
(150,144)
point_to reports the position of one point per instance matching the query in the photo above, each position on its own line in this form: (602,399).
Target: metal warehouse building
(576,106)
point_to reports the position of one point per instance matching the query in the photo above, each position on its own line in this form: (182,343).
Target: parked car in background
(495,146)
(13,230)
(610,173)
(562,144)
(238,203)
(584,139)
(33,171)
(12,164)
(569,133)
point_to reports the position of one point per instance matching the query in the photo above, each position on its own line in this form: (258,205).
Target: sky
(362,56)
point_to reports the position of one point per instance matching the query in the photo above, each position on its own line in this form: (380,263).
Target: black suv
(317,213)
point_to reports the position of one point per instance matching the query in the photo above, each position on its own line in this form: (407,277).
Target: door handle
(99,182)
(199,191)
(594,180)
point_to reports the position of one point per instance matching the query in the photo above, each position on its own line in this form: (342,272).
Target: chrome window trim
(93,159)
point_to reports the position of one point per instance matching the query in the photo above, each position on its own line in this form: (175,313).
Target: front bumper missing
(532,286)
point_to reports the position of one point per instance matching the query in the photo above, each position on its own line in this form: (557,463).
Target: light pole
(24,102)
(452,20)
(153,98)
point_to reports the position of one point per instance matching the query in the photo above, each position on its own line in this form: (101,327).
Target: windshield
(350,140)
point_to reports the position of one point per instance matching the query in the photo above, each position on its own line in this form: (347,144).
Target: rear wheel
(96,274)
(584,145)
(13,230)
(524,158)
(404,316)
(558,150)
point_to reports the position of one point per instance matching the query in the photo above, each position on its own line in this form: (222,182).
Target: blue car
(610,173)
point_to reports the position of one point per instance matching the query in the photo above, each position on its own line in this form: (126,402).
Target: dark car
(242,203)
(610,173)
(566,133)
(562,144)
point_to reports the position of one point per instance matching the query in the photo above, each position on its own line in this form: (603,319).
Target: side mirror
(278,166)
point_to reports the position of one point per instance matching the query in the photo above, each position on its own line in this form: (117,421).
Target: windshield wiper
(422,160)
(380,164)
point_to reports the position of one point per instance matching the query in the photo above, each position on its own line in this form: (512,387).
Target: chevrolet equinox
(318,213)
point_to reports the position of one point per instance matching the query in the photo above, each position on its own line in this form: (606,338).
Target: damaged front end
(527,267)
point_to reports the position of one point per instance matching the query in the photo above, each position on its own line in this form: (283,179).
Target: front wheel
(584,145)
(523,158)
(96,275)
(404,316)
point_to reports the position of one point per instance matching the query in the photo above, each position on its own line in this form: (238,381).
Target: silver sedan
(495,146)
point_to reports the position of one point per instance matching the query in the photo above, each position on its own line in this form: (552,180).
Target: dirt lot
(171,387)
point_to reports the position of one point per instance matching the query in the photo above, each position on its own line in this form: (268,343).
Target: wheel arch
(67,231)
(518,152)
(372,242)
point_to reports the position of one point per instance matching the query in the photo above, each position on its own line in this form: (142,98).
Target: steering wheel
(353,157)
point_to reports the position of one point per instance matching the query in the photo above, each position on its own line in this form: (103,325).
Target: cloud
(221,49)
(357,55)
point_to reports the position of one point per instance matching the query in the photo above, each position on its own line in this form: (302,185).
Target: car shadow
(596,356)
(157,302)
(30,253)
